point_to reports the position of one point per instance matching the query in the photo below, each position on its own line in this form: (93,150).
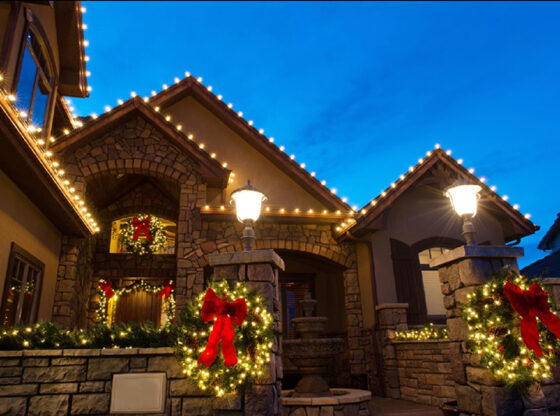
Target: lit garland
(429,331)
(108,294)
(139,243)
(253,342)
(496,336)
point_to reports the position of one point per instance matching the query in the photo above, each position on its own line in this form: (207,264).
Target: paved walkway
(382,406)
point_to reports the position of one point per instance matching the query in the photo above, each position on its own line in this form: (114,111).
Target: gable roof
(548,266)
(210,167)
(551,235)
(368,217)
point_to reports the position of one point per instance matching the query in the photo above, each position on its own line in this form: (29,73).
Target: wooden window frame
(296,278)
(27,258)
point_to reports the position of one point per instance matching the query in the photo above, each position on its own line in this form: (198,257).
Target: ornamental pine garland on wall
(494,313)
(205,320)
(143,234)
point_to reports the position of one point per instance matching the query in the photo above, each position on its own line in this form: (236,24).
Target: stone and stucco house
(178,155)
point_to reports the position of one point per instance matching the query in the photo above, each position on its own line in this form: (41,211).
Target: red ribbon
(167,288)
(227,314)
(106,287)
(532,304)
(142,227)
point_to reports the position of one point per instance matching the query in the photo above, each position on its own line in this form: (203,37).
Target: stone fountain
(312,354)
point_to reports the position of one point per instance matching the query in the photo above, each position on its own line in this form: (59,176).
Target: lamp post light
(248,202)
(464,198)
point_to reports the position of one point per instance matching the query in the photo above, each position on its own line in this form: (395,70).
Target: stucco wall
(421,213)
(243,159)
(23,223)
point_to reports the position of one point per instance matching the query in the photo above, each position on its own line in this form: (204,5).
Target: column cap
(391,306)
(246,257)
(473,251)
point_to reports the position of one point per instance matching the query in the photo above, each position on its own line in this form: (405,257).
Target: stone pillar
(552,286)
(72,283)
(259,269)
(391,317)
(460,271)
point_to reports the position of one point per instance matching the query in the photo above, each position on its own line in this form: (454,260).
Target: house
(68,186)
(548,266)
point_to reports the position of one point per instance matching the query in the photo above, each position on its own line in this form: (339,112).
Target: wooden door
(139,307)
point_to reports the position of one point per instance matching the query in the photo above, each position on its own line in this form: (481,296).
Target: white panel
(138,393)
(432,290)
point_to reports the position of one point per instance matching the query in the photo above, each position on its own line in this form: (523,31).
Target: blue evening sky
(360,91)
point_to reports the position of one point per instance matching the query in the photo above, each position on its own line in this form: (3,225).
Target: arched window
(35,78)
(117,247)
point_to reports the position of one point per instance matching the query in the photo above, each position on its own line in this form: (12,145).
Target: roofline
(552,231)
(379,204)
(104,122)
(191,86)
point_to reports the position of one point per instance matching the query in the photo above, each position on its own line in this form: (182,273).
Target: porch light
(464,198)
(248,203)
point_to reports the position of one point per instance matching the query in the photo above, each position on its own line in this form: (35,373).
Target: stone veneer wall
(78,382)
(424,371)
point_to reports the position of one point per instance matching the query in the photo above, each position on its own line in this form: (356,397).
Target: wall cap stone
(246,257)
(425,341)
(391,306)
(88,352)
(473,251)
(551,281)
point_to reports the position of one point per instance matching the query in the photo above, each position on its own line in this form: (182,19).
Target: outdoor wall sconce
(464,198)
(248,202)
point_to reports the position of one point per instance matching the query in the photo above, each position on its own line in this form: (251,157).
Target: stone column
(259,269)
(460,271)
(391,317)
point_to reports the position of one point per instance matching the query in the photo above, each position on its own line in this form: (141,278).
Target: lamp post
(248,202)
(464,198)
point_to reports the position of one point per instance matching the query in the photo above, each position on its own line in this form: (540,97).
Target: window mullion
(21,297)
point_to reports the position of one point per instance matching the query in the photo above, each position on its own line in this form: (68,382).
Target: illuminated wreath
(143,234)
(106,292)
(494,313)
(253,339)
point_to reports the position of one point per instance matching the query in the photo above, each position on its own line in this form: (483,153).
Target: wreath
(503,329)
(143,234)
(106,292)
(237,319)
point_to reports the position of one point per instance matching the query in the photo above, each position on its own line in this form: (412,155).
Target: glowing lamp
(464,198)
(248,204)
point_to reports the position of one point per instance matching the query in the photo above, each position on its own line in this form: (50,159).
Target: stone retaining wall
(424,371)
(78,382)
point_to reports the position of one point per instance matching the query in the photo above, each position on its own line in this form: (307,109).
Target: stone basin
(351,402)
(310,327)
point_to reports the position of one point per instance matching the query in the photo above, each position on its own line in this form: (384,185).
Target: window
(35,81)
(20,300)
(430,280)
(293,289)
(116,246)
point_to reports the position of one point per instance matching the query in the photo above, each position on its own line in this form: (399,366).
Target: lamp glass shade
(464,198)
(248,203)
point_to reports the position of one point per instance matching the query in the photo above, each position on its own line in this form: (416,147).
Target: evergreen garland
(253,342)
(429,331)
(496,336)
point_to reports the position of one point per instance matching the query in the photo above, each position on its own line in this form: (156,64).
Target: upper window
(35,80)
(430,280)
(117,247)
(20,300)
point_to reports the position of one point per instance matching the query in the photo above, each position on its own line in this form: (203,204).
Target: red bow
(142,227)
(167,288)
(531,304)
(222,330)
(106,287)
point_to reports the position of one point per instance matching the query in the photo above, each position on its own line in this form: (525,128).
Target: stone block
(54,405)
(535,397)
(103,368)
(468,399)
(185,387)
(457,329)
(18,390)
(13,405)
(9,362)
(229,402)
(481,376)
(10,371)
(92,387)
(197,406)
(35,362)
(461,294)
(57,388)
(167,364)
(68,361)
(258,400)
(475,271)
(552,394)
(497,401)
(90,404)
(260,273)
(54,374)
(138,362)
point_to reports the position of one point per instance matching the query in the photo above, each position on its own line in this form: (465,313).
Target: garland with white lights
(427,332)
(143,234)
(252,340)
(491,313)
(106,292)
